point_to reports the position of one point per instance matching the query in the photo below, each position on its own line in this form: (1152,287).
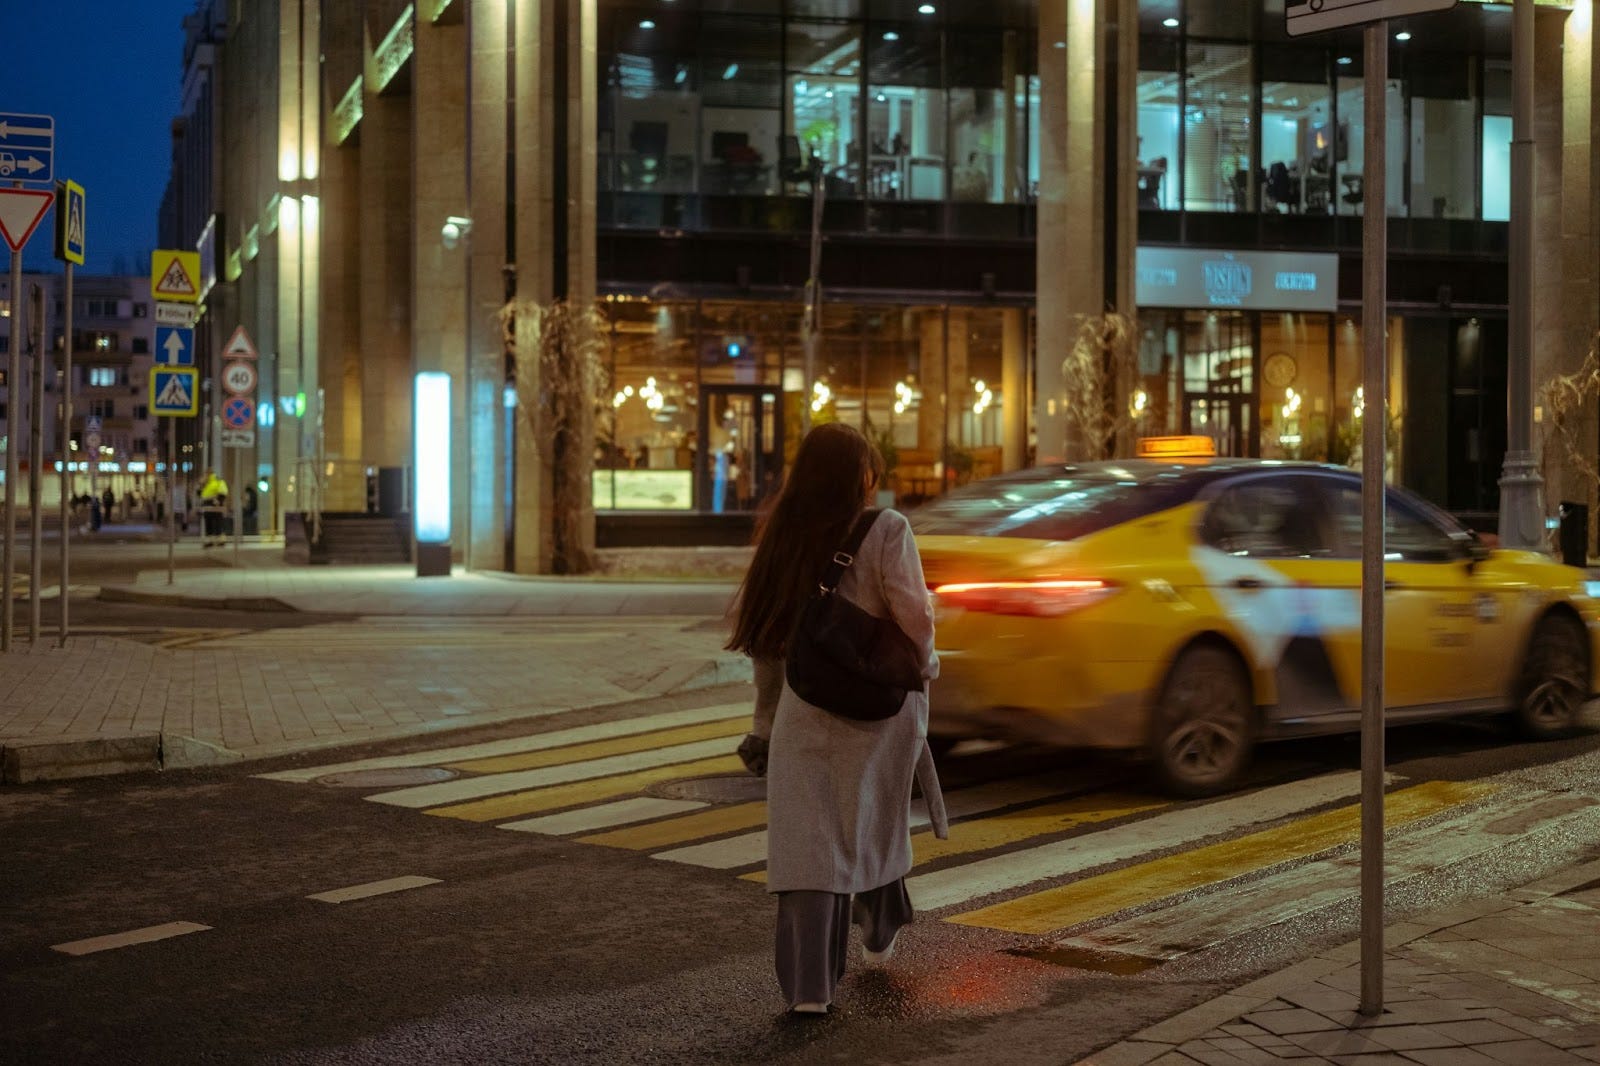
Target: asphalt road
(531,948)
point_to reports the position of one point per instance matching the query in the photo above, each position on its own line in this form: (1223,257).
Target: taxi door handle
(1390,585)
(1247,583)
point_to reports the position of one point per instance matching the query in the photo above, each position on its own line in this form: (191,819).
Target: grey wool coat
(839,790)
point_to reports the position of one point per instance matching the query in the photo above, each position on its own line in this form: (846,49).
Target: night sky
(110,71)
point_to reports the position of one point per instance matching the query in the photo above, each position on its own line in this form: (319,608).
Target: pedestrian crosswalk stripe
(958,884)
(469,788)
(1108,893)
(689,827)
(988,833)
(554,798)
(1197,923)
(539,741)
(133,936)
(602,748)
(373,888)
(588,819)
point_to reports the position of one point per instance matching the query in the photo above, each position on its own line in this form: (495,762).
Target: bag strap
(847,554)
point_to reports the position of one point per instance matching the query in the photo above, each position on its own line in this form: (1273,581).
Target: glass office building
(923,120)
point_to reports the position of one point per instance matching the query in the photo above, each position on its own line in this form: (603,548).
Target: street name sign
(239,378)
(174,391)
(1313,16)
(180,315)
(70,209)
(239,412)
(174,346)
(174,275)
(239,346)
(239,438)
(27,148)
(21,211)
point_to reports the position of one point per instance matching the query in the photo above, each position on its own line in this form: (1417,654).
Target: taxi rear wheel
(1205,723)
(1553,686)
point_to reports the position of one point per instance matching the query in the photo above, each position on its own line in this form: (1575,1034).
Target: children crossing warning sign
(173,274)
(174,391)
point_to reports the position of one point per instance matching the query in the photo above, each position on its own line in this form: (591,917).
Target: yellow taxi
(1186,609)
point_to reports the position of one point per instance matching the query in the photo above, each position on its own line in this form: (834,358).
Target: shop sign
(1258,281)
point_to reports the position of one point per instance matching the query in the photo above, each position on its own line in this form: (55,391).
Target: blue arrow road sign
(174,346)
(27,148)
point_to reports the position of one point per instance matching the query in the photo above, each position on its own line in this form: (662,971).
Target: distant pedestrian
(213,497)
(108,505)
(838,789)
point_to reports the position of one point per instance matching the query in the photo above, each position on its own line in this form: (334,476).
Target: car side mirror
(1477,551)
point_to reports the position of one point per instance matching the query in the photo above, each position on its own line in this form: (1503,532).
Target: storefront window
(906,114)
(654,83)
(1297,135)
(1443,113)
(1157,397)
(645,442)
(1218,162)
(1295,389)
(1349,404)
(974,363)
(1218,379)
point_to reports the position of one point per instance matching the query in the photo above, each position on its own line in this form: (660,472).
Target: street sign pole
(35,473)
(172,508)
(66,446)
(8,555)
(1374,456)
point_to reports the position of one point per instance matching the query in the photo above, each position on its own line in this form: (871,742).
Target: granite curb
(1164,1038)
(130,594)
(26,760)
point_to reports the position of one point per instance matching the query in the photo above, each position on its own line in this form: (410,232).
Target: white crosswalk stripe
(603,816)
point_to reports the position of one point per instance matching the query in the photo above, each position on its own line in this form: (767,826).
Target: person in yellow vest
(213,497)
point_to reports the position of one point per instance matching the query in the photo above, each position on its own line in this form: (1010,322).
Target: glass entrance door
(1219,379)
(739,462)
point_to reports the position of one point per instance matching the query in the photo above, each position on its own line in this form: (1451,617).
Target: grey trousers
(814,935)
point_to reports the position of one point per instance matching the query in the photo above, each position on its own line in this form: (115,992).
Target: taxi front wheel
(1204,723)
(1552,689)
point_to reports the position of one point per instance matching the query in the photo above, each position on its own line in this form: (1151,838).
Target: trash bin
(1574,535)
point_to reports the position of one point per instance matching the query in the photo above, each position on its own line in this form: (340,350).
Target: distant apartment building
(113,335)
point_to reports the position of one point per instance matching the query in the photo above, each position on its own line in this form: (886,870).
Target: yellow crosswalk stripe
(554,797)
(985,834)
(699,826)
(1094,897)
(599,749)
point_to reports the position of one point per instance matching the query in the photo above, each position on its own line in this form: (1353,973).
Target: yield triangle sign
(175,281)
(240,346)
(20,213)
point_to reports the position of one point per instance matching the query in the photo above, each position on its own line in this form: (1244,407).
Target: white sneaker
(878,958)
(810,1008)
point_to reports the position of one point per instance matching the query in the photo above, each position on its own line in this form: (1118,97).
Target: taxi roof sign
(1193,447)
(173,275)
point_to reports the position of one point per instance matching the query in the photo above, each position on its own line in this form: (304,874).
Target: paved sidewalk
(427,654)
(1514,979)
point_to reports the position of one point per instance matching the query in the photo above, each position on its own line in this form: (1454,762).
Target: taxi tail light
(1041,599)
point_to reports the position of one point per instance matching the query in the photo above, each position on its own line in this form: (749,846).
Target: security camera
(455,227)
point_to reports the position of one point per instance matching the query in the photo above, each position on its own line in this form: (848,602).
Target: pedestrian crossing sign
(173,275)
(174,391)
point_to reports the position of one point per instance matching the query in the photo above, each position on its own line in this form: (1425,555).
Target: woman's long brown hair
(799,534)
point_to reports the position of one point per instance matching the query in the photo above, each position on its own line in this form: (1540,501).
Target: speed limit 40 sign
(239,378)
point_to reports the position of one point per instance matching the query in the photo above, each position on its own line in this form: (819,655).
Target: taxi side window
(1267,519)
(1407,533)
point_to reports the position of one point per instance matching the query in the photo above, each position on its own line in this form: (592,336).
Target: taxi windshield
(1049,507)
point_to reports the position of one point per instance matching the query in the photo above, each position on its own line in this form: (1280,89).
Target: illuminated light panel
(432,459)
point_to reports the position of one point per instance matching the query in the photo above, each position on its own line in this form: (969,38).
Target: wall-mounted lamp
(454,229)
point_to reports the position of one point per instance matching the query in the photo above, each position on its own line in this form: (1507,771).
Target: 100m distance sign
(239,378)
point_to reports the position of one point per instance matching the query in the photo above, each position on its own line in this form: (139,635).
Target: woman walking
(838,789)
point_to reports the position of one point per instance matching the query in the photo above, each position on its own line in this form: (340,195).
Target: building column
(439,163)
(1071,281)
(1013,389)
(554,101)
